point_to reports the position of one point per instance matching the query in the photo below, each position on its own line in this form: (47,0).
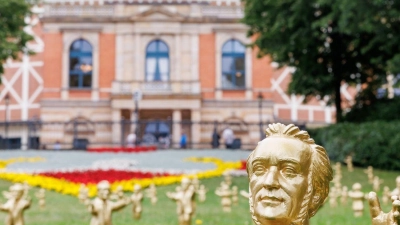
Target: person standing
(215,139)
(183,141)
(228,137)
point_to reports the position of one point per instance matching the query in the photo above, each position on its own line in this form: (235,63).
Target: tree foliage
(371,143)
(13,39)
(329,42)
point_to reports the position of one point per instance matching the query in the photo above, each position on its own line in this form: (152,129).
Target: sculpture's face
(103,192)
(278,181)
(185,183)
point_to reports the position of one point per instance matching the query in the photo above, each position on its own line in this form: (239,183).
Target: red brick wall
(207,64)
(52,58)
(262,74)
(106,63)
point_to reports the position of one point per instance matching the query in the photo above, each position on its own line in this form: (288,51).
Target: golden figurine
(137,198)
(102,207)
(289,180)
(378,216)
(83,194)
(370,173)
(228,178)
(41,195)
(17,203)
(196,183)
(152,193)
(225,193)
(333,194)
(358,199)
(343,196)
(202,193)
(184,196)
(386,195)
(396,191)
(235,197)
(376,183)
(349,162)
(118,193)
(245,194)
(26,189)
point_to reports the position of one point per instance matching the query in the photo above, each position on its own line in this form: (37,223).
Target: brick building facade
(186,58)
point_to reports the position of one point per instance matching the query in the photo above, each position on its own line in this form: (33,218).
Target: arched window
(80,64)
(233,65)
(157,61)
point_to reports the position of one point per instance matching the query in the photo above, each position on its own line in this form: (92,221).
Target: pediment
(158,13)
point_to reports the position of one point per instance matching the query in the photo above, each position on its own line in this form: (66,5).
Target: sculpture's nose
(271,178)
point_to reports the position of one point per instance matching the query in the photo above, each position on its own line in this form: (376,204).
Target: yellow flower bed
(5,162)
(71,188)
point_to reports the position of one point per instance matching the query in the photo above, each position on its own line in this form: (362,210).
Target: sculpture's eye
(258,170)
(289,171)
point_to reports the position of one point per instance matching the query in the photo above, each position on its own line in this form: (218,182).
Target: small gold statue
(289,180)
(228,178)
(202,193)
(41,195)
(358,199)
(235,197)
(386,195)
(26,189)
(101,207)
(137,198)
(245,194)
(225,193)
(376,183)
(344,195)
(196,183)
(184,196)
(152,194)
(370,173)
(83,194)
(118,193)
(349,162)
(396,191)
(17,203)
(333,194)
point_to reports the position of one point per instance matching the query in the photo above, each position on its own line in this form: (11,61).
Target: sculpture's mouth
(270,200)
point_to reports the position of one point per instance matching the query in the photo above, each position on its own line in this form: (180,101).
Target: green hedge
(372,143)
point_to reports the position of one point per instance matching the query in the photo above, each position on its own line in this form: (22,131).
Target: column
(116,126)
(195,129)
(176,128)
(24,138)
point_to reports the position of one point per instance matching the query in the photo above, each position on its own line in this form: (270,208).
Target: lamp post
(260,98)
(6,101)
(137,96)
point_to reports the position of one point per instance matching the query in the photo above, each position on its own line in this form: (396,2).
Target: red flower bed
(123,149)
(95,176)
(243,167)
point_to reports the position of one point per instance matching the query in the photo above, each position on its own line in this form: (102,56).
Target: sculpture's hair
(319,176)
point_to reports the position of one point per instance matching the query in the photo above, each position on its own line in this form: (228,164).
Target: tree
(13,39)
(329,42)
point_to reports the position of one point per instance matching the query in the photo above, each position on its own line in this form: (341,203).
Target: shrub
(374,144)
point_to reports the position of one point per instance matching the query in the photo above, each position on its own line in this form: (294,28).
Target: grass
(66,210)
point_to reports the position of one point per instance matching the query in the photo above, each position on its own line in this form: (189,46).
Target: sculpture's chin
(265,213)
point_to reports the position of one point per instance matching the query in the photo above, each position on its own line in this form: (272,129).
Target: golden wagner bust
(289,180)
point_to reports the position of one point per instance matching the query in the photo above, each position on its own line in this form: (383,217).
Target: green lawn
(66,210)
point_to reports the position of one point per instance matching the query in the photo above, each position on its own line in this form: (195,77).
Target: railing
(156,87)
(76,135)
